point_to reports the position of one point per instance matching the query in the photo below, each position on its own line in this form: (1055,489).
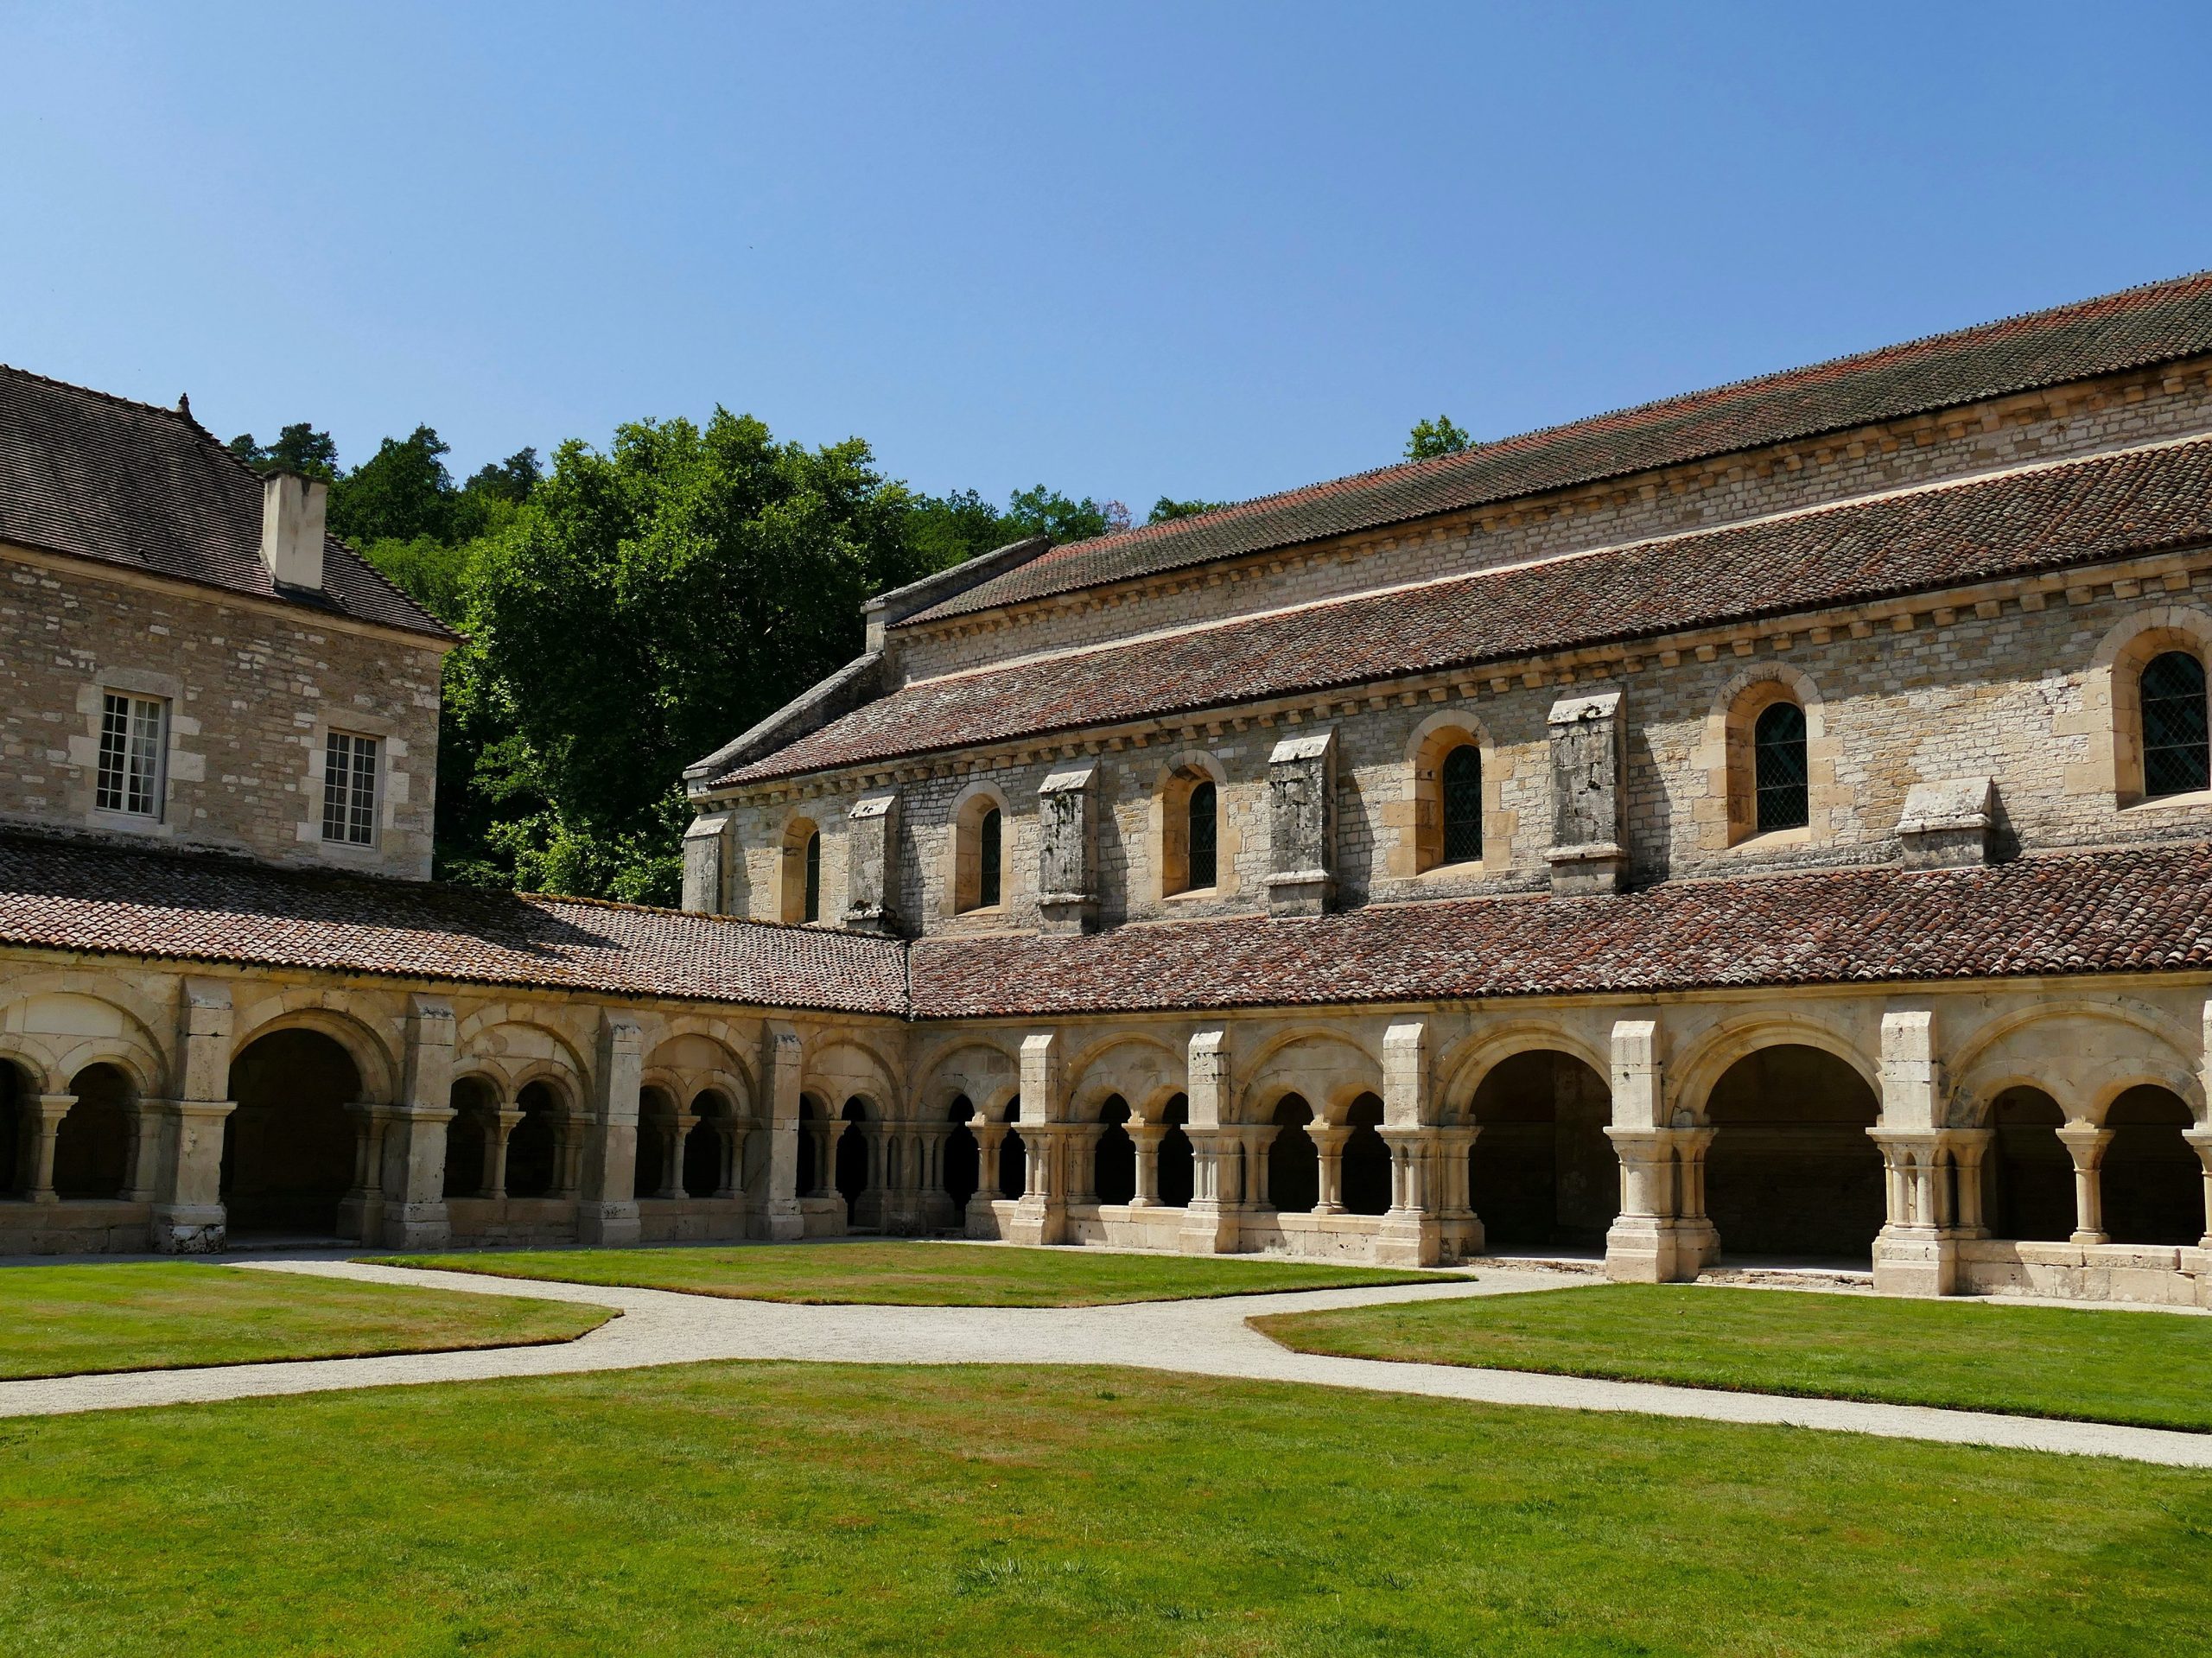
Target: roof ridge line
(108,396)
(1813,510)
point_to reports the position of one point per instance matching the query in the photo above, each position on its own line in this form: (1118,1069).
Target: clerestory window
(1204,841)
(987,854)
(2176,758)
(1462,781)
(812,909)
(1780,769)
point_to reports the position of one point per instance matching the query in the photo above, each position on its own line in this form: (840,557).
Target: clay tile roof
(2066,514)
(99,477)
(2160,322)
(2146,909)
(85,895)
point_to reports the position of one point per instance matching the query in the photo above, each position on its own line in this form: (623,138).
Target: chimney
(291,528)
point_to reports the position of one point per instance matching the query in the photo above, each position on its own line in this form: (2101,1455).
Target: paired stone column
(2087,1144)
(50,1109)
(1661,1234)
(2200,1139)
(1210,1226)
(1148,1136)
(1413,1231)
(504,1123)
(189,1216)
(1041,1216)
(980,1223)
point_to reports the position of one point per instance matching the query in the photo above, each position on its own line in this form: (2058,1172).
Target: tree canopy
(1431,438)
(1164,511)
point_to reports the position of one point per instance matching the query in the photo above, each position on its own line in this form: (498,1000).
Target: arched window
(1461,778)
(1203,841)
(1779,767)
(986,853)
(2176,758)
(811,909)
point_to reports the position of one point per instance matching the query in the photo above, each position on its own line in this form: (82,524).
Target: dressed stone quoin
(1773,822)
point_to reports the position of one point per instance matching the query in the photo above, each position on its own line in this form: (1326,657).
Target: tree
(1164,511)
(643,607)
(299,447)
(511,480)
(1042,511)
(1436,437)
(401,493)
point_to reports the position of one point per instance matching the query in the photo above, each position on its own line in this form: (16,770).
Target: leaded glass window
(1778,751)
(349,789)
(1462,781)
(813,907)
(2175,759)
(131,755)
(986,853)
(1203,840)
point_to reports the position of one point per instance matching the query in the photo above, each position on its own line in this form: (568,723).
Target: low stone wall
(74,1227)
(693,1220)
(2149,1274)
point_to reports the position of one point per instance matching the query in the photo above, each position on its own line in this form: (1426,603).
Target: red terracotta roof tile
(99,477)
(86,895)
(2159,322)
(2142,909)
(2069,513)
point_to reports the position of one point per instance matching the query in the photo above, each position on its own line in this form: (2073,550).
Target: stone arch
(19,1085)
(2083,1054)
(844,1066)
(1325,1068)
(476,1097)
(2112,698)
(1419,843)
(1541,1172)
(1293,1161)
(522,1044)
(539,1147)
(1724,755)
(93,1145)
(1143,1070)
(353,1022)
(967,884)
(987,1075)
(2152,1182)
(1791,1169)
(1173,784)
(1467,1063)
(2027,1178)
(1720,1047)
(1363,1160)
(289,1145)
(57,1023)
(713,1152)
(1114,1157)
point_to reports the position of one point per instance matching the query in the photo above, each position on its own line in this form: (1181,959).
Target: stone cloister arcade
(1972,1142)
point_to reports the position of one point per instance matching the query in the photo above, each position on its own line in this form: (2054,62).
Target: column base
(1038,1221)
(415,1226)
(778,1221)
(190,1228)
(1209,1230)
(1915,1262)
(1409,1238)
(603,1223)
(2088,1237)
(1645,1249)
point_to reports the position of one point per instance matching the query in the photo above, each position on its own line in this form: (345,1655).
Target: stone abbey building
(1774,821)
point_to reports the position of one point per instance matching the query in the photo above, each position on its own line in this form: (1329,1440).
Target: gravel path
(1206,1338)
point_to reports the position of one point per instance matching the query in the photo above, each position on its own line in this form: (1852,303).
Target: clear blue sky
(1197,249)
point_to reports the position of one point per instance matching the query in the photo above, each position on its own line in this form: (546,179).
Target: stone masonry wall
(2011,688)
(253,691)
(2116,413)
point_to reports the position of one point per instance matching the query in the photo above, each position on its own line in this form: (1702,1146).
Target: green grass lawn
(160,1315)
(914,1274)
(734,1509)
(2118,1366)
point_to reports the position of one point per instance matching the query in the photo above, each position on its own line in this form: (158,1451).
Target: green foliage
(299,447)
(1164,510)
(1432,438)
(403,493)
(1042,511)
(949,530)
(648,604)
(511,480)
(435,574)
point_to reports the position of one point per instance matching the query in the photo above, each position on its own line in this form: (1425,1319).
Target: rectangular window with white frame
(349,789)
(132,729)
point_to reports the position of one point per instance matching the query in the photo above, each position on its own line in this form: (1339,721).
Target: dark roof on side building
(86,895)
(2141,910)
(2160,322)
(2050,519)
(99,477)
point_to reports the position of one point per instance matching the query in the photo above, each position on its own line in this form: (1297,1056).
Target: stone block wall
(253,691)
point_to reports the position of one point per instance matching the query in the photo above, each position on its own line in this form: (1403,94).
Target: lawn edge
(1259,1322)
(1409,1280)
(316,1358)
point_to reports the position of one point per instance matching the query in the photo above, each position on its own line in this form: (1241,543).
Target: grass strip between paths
(82,1319)
(733,1509)
(2144,1368)
(917,1273)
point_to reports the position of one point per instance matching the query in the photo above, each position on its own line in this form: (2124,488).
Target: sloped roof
(101,477)
(2159,322)
(88,895)
(2144,909)
(2053,517)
